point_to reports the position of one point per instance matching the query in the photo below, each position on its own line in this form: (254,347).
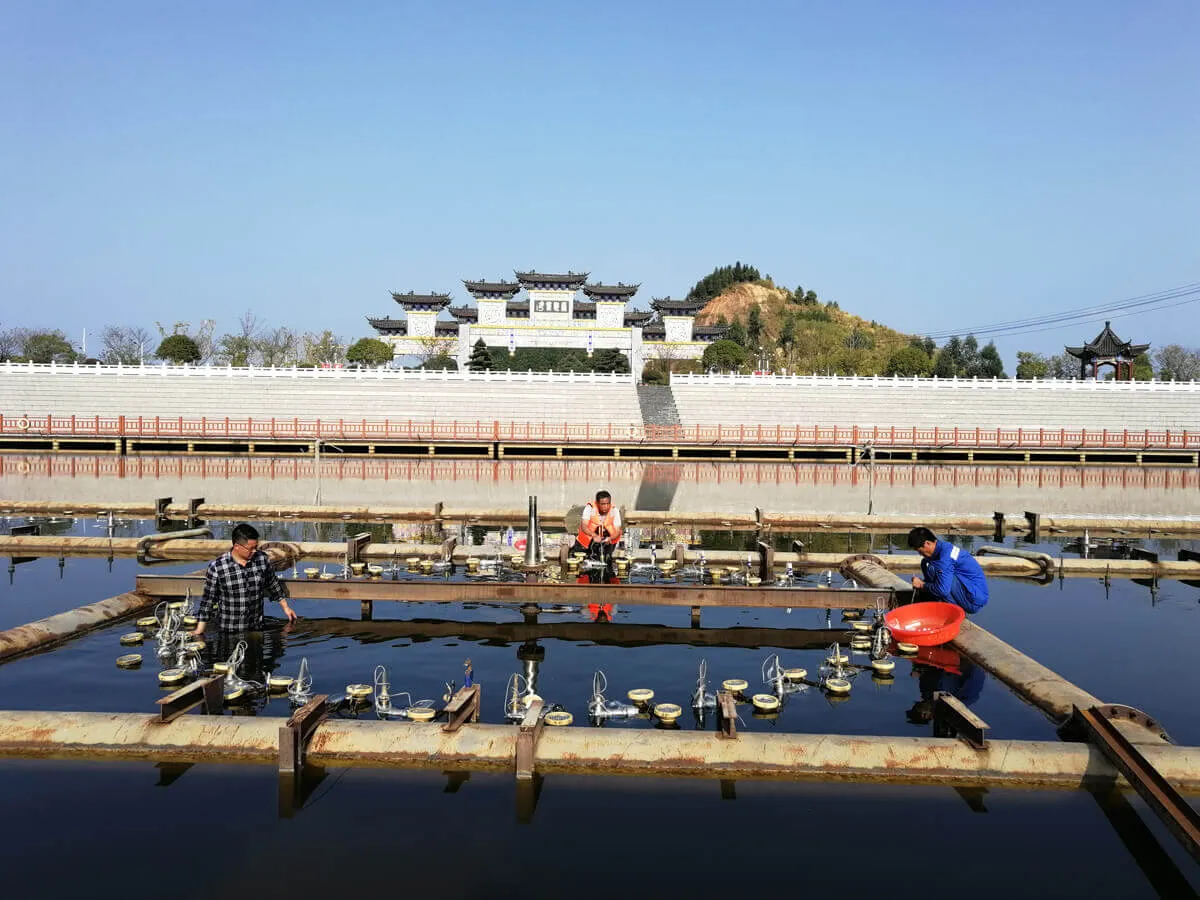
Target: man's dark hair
(603,495)
(243,533)
(919,536)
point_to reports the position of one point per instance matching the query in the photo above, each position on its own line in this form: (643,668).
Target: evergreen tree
(720,279)
(737,334)
(481,358)
(990,365)
(787,334)
(754,328)
(610,361)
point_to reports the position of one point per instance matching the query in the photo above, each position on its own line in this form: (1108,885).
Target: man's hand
(199,632)
(288,611)
(917,582)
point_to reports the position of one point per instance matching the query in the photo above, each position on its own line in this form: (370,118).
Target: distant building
(1106,349)
(552,316)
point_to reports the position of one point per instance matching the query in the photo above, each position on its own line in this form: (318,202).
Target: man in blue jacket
(948,573)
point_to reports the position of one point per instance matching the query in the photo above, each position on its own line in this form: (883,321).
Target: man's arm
(212,589)
(939,579)
(615,536)
(590,529)
(277,590)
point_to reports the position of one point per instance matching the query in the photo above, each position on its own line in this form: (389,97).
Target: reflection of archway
(1106,349)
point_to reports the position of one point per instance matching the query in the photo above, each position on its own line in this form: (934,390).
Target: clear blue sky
(932,165)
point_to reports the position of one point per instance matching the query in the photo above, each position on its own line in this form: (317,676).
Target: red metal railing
(249,428)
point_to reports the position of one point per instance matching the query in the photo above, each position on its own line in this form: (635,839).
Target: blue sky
(934,165)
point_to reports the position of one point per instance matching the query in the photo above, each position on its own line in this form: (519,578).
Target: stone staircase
(658,404)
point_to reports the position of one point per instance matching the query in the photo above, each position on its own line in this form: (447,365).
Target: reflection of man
(948,573)
(964,681)
(599,528)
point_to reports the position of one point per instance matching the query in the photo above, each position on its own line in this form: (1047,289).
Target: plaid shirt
(233,593)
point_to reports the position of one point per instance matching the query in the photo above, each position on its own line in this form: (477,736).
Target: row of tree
(251,343)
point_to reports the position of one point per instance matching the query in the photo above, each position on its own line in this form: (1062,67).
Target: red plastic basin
(925,624)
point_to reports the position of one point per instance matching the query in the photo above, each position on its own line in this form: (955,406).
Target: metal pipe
(29,545)
(163,536)
(531,527)
(878,522)
(53,630)
(869,570)
(1044,688)
(1044,560)
(344,742)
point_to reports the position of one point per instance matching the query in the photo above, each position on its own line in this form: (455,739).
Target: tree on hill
(909,361)
(737,334)
(481,358)
(802,297)
(721,278)
(724,355)
(369,352)
(754,328)
(178,349)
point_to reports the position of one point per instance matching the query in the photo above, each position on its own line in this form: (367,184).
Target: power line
(1188,293)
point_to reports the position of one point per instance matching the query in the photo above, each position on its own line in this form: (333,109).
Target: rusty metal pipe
(1043,560)
(29,545)
(870,571)
(146,540)
(53,630)
(904,760)
(1044,688)
(878,522)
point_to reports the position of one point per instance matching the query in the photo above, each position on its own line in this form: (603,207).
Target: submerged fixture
(782,681)
(834,677)
(384,707)
(600,709)
(300,690)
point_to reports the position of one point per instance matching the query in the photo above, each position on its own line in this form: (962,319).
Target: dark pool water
(367,831)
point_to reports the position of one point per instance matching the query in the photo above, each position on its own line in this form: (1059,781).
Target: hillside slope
(805,337)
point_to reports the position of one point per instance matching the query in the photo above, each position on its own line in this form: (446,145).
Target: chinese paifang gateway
(552,315)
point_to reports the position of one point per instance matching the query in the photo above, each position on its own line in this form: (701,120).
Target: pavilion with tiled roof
(1106,349)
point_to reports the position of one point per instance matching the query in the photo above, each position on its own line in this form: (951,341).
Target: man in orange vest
(600,526)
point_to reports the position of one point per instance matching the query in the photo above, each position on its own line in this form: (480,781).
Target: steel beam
(1181,819)
(440,591)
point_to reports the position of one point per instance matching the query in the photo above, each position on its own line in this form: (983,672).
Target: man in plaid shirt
(235,585)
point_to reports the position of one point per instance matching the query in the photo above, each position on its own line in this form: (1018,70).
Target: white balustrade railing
(352,374)
(918,383)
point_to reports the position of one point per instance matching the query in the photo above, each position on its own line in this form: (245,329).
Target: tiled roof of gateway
(610,290)
(667,305)
(465,313)
(414,299)
(388,325)
(499,288)
(571,279)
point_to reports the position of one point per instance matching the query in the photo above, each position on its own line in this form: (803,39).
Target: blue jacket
(954,576)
